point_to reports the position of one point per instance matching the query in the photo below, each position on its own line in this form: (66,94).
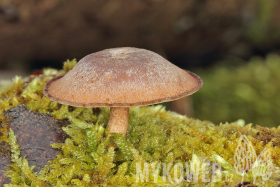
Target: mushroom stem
(118,121)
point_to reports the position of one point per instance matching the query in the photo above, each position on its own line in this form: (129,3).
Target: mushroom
(120,78)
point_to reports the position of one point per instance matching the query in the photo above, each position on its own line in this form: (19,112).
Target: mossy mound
(158,142)
(249,92)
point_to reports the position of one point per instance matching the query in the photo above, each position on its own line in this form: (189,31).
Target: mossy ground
(155,137)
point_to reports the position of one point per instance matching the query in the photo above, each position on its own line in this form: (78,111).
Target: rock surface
(35,132)
(4,161)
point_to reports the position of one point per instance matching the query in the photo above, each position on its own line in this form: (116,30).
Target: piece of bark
(35,132)
(4,161)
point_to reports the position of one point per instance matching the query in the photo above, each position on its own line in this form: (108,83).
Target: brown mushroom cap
(122,77)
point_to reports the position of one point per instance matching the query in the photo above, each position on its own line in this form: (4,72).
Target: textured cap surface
(122,77)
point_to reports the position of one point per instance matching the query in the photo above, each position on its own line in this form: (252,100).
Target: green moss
(68,65)
(249,92)
(156,139)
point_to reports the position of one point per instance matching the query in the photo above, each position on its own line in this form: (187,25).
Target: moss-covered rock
(161,148)
(35,132)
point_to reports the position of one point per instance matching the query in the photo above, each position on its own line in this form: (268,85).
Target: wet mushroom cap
(122,77)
